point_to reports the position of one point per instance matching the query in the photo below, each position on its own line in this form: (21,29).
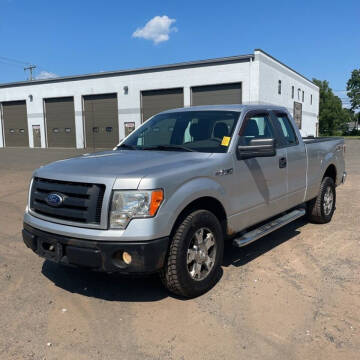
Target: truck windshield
(203,131)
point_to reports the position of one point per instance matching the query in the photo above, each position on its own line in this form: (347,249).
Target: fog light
(126,258)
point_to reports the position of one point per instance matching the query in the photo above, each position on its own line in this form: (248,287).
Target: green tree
(353,91)
(349,115)
(332,117)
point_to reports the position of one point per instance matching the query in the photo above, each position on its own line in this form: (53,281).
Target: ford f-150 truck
(169,195)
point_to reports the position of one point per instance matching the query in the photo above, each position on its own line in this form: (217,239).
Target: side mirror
(257,148)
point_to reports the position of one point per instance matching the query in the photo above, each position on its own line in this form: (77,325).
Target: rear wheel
(195,255)
(321,209)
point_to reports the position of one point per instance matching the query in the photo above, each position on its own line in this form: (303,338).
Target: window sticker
(225,141)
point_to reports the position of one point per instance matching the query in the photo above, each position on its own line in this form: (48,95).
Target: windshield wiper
(126,146)
(167,147)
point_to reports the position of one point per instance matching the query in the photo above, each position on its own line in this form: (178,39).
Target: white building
(97,110)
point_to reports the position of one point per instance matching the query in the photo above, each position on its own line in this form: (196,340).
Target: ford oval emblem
(54,199)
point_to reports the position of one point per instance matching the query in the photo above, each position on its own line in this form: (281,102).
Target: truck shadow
(109,287)
(115,287)
(241,256)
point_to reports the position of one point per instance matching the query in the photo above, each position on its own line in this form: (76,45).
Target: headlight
(127,205)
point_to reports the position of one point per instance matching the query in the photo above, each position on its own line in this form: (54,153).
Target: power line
(4,60)
(10,64)
(14,60)
(341,90)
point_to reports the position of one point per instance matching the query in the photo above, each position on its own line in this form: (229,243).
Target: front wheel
(195,255)
(321,209)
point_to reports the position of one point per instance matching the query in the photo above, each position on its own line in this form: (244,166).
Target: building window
(310,99)
(279,87)
(292,92)
(303,95)
(299,91)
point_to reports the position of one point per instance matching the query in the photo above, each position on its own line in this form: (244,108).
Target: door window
(256,127)
(286,129)
(187,135)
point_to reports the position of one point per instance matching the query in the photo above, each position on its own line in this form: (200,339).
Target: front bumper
(147,256)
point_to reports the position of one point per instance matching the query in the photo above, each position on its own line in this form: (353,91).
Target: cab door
(260,190)
(296,158)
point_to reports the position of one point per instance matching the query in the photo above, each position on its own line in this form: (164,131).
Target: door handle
(282,162)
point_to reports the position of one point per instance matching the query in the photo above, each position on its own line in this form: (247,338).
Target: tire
(319,210)
(183,274)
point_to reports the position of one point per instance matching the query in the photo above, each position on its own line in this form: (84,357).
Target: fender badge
(224,172)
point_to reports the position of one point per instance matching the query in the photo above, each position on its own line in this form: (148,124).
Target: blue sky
(317,38)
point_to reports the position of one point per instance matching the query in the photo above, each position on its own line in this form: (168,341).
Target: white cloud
(157,29)
(46,75)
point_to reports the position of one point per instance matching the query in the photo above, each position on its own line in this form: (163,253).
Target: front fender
(189,192)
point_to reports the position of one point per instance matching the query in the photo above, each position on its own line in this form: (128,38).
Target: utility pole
(30,68)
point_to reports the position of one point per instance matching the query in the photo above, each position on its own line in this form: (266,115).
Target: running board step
(267,228)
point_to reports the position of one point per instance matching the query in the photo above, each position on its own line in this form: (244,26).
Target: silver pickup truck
(169,195)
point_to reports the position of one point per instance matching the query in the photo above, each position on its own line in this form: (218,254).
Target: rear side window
(286,129)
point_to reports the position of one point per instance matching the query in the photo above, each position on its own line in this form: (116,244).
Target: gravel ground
(294,294)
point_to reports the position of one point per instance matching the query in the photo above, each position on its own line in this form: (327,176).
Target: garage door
(155,101)
(101,121)
(216,94)
(15,123)
(60,122)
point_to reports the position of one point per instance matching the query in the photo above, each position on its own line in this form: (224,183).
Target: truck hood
(128,165)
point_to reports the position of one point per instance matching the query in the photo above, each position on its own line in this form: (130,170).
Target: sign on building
(129,128)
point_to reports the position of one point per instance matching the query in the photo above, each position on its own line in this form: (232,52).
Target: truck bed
(313,139)
(318,149)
